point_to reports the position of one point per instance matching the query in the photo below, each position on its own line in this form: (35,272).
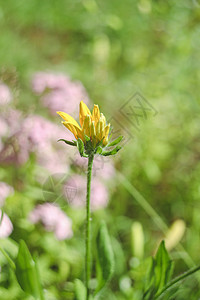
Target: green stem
(177,279)
(88,225)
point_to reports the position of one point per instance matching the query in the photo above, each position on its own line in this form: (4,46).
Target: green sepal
(100,143)
(81,149)
(112,152)
(87,138)
(115,142)
(98,150)
(68,142)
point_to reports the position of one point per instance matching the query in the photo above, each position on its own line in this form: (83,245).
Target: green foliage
(80,290)
(27,273)
(115,142)
(159,273)
(111,152)
(68,142)
(114,48)
(81,148)
(105,259)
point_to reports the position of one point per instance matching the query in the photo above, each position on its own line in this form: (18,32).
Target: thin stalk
(88,226)
(176,280)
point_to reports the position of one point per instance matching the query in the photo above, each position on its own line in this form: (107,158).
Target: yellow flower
(92,125)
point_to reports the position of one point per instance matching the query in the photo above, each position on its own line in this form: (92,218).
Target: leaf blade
(26,272)
(105,259)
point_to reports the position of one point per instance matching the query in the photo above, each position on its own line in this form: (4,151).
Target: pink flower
(3,127)
(6,226)
(5,94)
(53,219)
(37,135)
(59,92)
(75,192)
(5,191)
(3,131)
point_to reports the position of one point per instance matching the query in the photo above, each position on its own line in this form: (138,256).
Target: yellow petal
(103,119)
(93,133)
(100,129)
(84,111)
(68,118)
(106,132)
(86,125)
(93,130)
(95,114)
(75,130)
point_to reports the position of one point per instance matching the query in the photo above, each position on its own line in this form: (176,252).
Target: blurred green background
(116,49)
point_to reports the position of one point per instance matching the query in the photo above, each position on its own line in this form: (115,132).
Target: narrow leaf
(159,273)
(9,260)
(80,290)
(116,141)
(26,272)
(164,267)
(105,258)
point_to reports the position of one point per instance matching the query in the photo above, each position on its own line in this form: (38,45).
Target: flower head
(93,132)
(93,125)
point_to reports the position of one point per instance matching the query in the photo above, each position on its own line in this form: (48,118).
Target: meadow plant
(92,137)
(24,137)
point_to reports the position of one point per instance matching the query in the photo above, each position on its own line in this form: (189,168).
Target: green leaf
(164,267)
(115,142)
(159,273)
(80,290)
(68,142)
(149,290)
(112,152)
(9,260)
(105,259)
(26,272)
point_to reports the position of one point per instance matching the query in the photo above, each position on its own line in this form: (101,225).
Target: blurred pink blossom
(3,131)
(6,226)
(59,92)
(37,135)
(53,219)
(75,192)
(5,94)
(3,127)
(5,191)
